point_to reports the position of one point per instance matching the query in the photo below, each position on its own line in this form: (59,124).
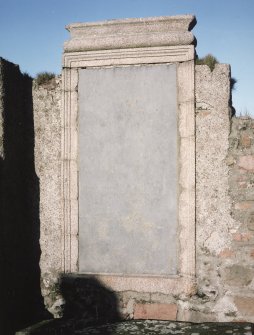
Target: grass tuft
(208,60)
(44,77)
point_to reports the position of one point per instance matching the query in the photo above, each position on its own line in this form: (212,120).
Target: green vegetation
(211,61)
(208,60)
(44,77)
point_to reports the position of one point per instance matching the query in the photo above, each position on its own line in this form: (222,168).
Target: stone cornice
(131,33)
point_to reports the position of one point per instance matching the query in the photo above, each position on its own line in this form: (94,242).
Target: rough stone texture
(224,205)
(47,124)
(241,181)
(212,130)
(155,311)
(131,33)
(224,242)
(213,204)
(139,327)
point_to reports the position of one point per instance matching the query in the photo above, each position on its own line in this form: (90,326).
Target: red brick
(245,140)
(246,162)
(252,253)
(243,205)
(226,253)
(155,311)
(242,237)
(245,305)
(203,113)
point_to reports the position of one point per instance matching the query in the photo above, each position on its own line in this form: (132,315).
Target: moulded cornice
(131,33)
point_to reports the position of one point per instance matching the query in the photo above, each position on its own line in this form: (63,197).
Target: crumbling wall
(47,123)
(225,267)
(224,205)
(241,180)
(224,214)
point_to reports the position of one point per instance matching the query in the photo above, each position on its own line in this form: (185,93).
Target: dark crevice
(21,302)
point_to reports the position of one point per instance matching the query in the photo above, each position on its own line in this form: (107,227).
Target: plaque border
(183,56)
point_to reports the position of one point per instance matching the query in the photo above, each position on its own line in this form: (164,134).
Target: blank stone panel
(128,170)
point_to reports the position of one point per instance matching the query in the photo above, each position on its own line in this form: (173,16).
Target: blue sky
(32,32)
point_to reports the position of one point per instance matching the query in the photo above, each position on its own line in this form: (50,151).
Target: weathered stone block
(243,205)
(246,162)
(245,140)
(238,275)
(245,305)
(227,253)
(155,311)
(242,237)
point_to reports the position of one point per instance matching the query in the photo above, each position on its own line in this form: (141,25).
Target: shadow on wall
(21,303)
(88,303)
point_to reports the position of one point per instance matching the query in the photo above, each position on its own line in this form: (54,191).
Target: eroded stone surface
(146,327)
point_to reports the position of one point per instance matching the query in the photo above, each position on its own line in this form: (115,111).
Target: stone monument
(128,153)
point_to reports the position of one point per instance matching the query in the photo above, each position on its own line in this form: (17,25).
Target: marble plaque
(128,170)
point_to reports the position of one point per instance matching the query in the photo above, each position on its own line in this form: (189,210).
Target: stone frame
(183,56)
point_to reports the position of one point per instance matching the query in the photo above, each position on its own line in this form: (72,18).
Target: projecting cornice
(131,33)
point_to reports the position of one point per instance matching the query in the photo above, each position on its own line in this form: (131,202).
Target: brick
(245,140)
(243,205)
(155,311)
(246,162)
(227,253)
(252,253)
(242,237)
(245,305)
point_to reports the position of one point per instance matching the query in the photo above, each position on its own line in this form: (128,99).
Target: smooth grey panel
(128,173)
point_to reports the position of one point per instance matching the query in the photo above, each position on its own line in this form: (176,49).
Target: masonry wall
(224,208)
(47,126)
(224,211)
(225,268)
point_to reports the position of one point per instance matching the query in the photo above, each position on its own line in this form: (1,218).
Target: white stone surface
(128,170)
(131,33)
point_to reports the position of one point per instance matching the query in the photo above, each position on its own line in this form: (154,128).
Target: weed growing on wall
(211,61)
(44,77)
(208,60)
